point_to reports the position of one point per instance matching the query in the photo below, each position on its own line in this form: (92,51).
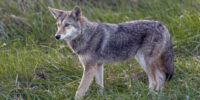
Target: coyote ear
(76,13)
(55,12)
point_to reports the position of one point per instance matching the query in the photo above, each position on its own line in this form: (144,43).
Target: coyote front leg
(99,77)
(86,80)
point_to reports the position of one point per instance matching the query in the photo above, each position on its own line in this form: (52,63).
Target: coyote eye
(66,25)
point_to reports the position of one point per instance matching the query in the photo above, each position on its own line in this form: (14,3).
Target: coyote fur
(97,44)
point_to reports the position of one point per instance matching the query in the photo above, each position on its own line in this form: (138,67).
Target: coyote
(97,44)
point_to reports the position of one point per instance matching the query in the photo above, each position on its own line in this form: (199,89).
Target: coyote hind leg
(160,78)
(151,76)
(151,67)
(157,72)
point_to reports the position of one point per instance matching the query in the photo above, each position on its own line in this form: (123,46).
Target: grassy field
(35,66)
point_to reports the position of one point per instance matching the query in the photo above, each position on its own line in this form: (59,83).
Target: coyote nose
(57,37)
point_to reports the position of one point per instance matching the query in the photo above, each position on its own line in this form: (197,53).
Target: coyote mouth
(70,34)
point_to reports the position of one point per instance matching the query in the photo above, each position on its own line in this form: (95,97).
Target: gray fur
(116,42)
(97,44)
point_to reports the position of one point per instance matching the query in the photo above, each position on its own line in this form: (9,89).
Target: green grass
(33,65)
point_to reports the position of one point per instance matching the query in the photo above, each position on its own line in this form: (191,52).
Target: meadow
(35,66)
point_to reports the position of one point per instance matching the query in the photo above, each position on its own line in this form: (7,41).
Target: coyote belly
(97,44)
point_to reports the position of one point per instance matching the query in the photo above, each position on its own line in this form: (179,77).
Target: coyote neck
(80,44)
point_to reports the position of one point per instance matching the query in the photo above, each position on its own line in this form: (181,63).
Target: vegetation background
(35,66)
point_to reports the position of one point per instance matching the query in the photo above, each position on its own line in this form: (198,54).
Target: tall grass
(33,65)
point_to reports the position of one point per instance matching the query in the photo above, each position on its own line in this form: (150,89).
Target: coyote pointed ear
(55,12)
(76,13)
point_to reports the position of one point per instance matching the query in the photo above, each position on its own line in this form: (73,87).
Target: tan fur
(85,83)
(151,66)
(99,77)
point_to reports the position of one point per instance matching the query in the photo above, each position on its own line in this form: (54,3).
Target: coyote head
(68,23)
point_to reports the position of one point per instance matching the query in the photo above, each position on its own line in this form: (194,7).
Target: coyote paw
(78,96)
(101,91)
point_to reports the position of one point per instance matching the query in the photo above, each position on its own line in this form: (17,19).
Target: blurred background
(34,65)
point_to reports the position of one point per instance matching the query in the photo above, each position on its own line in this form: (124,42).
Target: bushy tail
(167,58)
